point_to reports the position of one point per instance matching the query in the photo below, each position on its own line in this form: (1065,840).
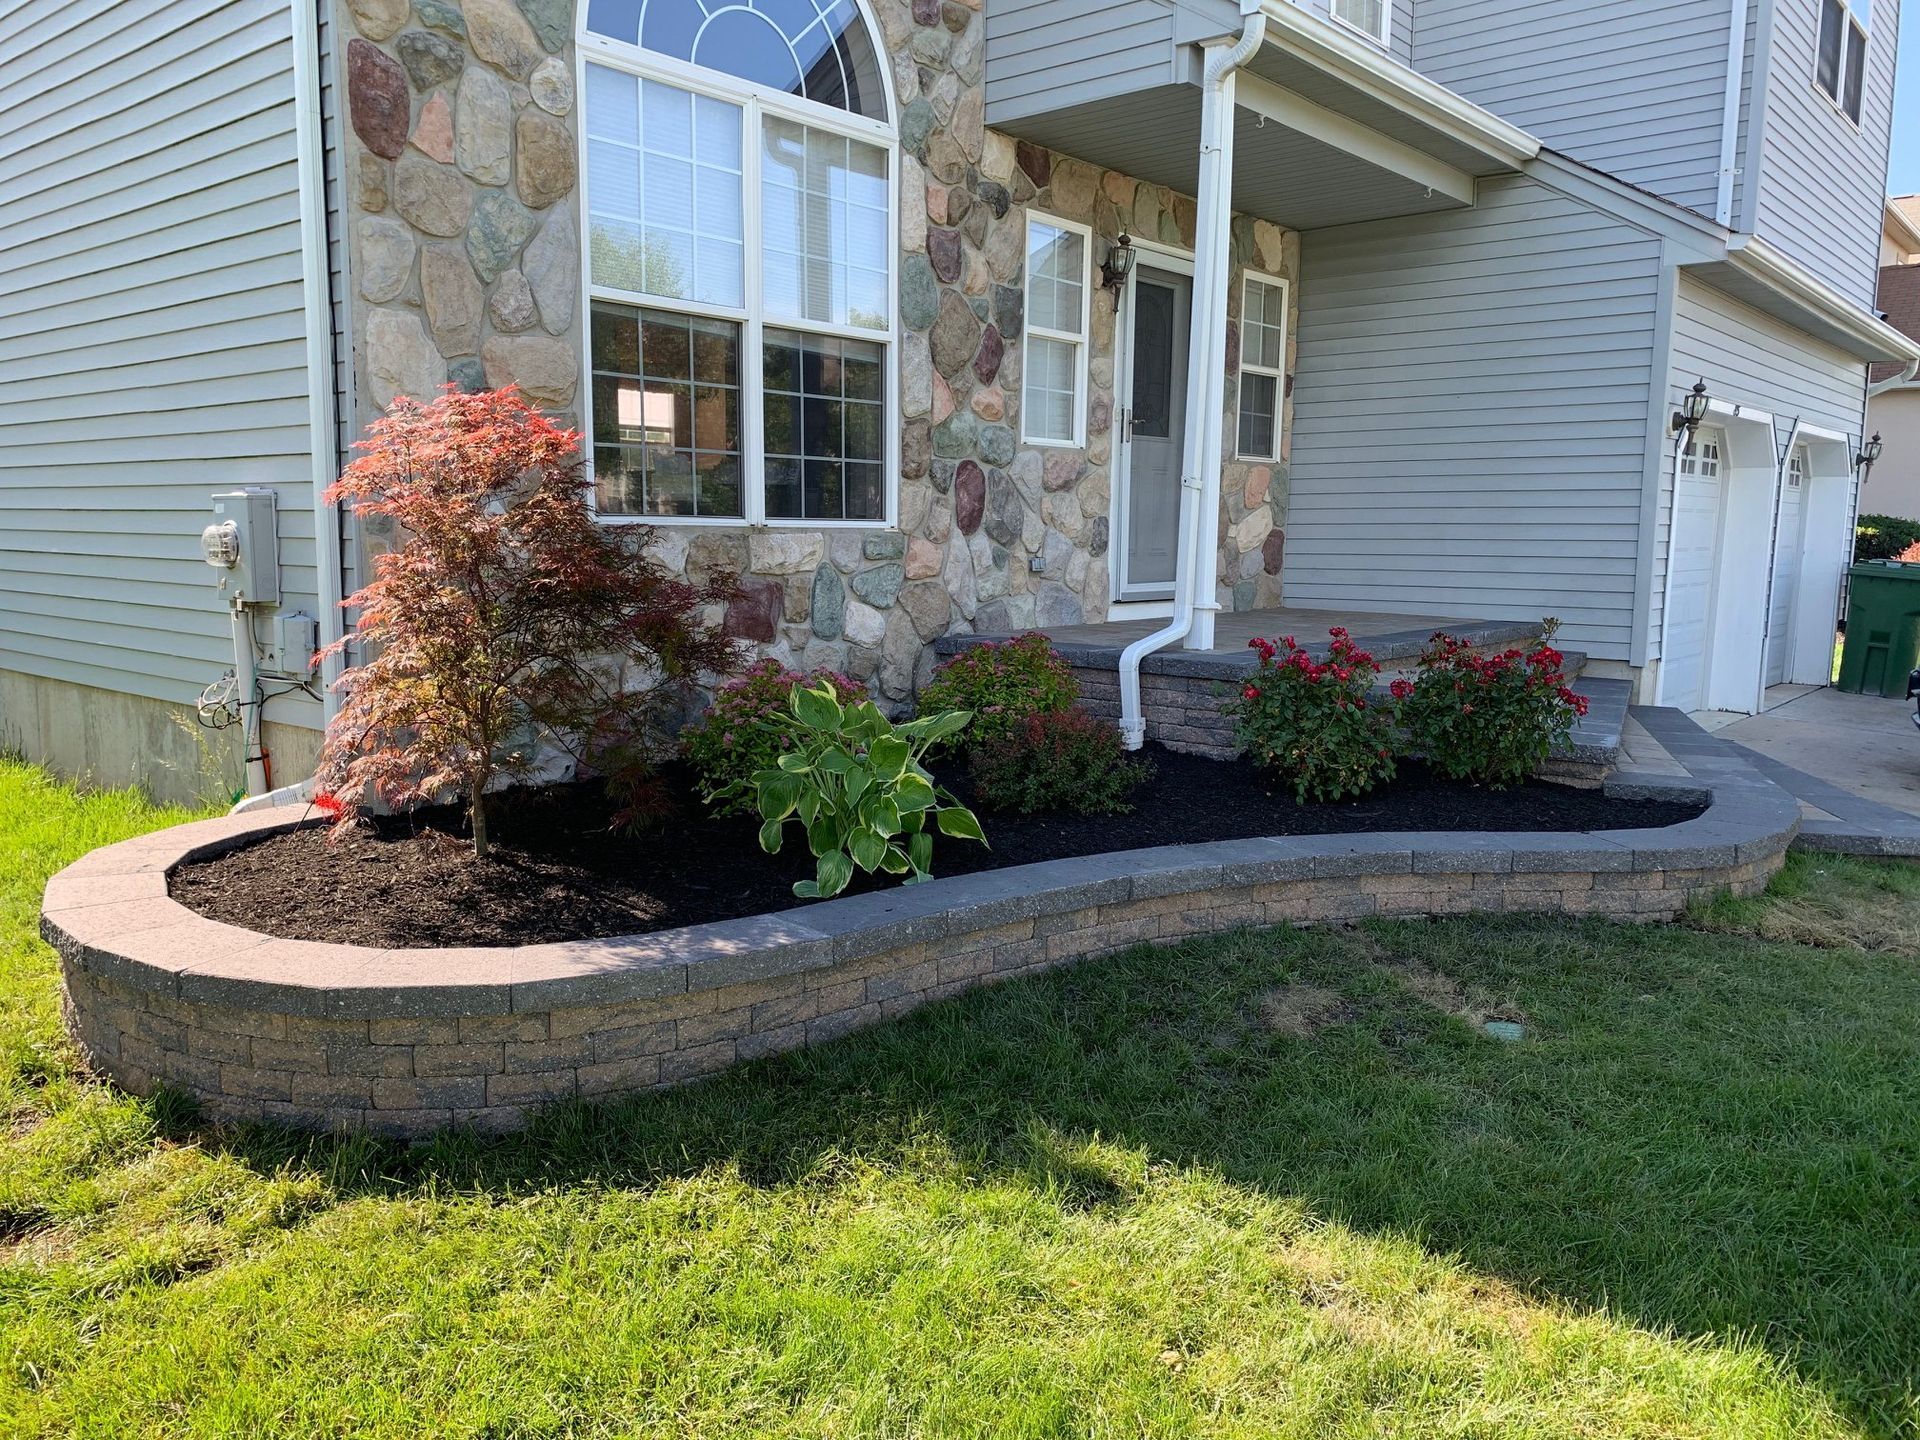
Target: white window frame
(1854,17)
(1383,39)
(756,102)
(1081,342)
(1278,282)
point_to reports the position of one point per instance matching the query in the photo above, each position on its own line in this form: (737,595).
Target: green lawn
(1268,1185)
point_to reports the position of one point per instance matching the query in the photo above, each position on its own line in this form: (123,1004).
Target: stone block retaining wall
(408,1042)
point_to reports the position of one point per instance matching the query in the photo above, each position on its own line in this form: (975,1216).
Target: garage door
(1789,542)
(1693,564)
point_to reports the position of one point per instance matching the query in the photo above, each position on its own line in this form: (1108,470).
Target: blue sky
(1903,175)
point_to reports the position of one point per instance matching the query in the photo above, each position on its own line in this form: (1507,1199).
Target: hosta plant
(746,730)
(854,782)
(1310,722)
(1491,719)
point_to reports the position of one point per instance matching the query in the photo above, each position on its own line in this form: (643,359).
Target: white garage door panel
(1692,568)
(1789,543)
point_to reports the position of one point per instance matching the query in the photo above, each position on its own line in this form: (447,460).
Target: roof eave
(1360,65)
(1876,340)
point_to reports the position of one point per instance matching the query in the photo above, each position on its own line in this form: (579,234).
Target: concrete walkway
(1852,761)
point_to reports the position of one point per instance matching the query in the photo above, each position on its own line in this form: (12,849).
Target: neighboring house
(823,283)
(1893,484)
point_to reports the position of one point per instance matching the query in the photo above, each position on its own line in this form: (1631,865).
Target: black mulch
(558,872)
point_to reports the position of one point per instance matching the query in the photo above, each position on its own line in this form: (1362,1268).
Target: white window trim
(1081,342)
(1851,19)
(1279,282)
(1383,39)
(756,102)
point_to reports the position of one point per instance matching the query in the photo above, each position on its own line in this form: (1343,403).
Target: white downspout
(1730,113)
(1206,347)
(310,149)
(1880,387)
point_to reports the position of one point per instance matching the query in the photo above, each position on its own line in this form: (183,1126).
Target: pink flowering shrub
(1001,683)
(1311,723)
(1492,719)
(746,731)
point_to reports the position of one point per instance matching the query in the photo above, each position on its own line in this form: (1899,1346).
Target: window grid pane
(664,174)
(825,426)
(824,217)
(666,413)
(1052,388)
(1367,15)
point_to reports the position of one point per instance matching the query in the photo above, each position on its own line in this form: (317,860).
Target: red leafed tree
(506,620)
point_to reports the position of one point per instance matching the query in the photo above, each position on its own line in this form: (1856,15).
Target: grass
(1271,1184)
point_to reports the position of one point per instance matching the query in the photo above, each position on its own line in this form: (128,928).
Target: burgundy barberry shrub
(1491,719)
(747,729)
(1058,760)
(507,620)
(1311,722)
(1002,684)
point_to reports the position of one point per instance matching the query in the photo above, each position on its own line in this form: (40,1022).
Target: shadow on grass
(1705,1133)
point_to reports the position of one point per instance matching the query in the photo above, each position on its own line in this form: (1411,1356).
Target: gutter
(321,420)
(1760,262)
(1359,64)
(1206,345)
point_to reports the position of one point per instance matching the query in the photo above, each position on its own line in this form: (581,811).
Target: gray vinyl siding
(152,347)
(1638,90)
(1470,413)
(1754,360)
(1050,54)
(1822,179)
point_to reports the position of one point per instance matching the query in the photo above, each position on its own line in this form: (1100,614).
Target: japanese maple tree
(506,621)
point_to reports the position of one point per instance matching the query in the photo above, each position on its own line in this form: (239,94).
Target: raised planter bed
(407,1041)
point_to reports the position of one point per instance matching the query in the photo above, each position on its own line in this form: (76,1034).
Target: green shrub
(1491,719)
(1312,723)
(745,730)
(1061,760)
(855,783)
(1883,537)
(1000,684)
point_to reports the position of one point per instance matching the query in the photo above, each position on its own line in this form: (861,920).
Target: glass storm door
(1152,431)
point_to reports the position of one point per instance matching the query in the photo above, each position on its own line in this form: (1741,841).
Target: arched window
(740,261)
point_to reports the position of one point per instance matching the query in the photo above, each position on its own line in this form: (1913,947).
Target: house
(1892,486)
(932,316)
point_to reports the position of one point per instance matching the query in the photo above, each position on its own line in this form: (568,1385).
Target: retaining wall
(410,1041)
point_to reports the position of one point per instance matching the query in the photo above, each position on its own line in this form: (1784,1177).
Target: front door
(1152,431)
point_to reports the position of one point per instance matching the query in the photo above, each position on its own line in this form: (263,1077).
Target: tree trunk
(477,808)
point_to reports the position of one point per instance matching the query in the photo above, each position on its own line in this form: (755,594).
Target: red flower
(1250,692)
(1401,689)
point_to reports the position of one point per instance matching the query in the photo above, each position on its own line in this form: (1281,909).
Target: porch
(1181,690)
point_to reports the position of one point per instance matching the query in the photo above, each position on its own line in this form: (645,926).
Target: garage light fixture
(1693,409)
(1118,264)
(1869,452)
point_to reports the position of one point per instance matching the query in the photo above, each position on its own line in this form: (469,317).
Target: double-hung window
(1369,17)
(740,253)
(1840,61)
(1053,404)
(1263,366)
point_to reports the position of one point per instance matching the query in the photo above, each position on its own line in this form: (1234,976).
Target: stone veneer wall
(462,171)
(407,1042)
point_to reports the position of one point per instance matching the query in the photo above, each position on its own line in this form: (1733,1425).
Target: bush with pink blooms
(1313,723)
(1491,719)
(745,730)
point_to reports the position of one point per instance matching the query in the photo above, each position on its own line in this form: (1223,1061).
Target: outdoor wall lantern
(1118,264)
(1692,410)
(1869,452)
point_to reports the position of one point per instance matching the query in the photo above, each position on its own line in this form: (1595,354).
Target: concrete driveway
(1863,744)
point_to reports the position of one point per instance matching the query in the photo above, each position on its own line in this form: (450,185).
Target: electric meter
(220,545)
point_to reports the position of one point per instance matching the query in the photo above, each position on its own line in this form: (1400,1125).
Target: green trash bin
(1883,627)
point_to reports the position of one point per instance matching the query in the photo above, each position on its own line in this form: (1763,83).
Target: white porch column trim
(1343,133)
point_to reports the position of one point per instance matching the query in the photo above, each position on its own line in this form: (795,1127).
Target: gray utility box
(254,575)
